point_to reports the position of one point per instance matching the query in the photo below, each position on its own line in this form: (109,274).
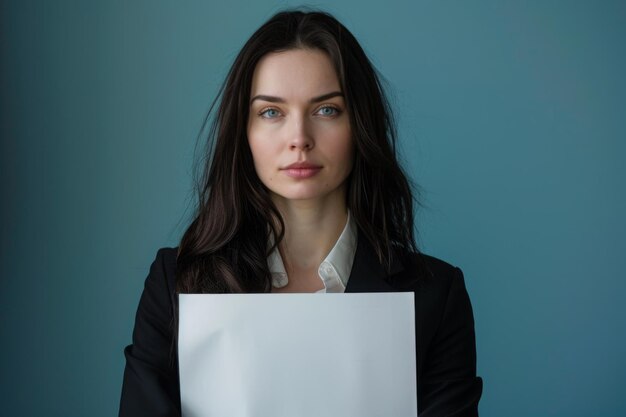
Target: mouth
(300,170)
(302,165)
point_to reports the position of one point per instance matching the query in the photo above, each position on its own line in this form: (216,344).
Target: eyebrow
(274,99)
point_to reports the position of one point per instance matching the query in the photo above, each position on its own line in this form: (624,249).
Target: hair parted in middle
(225,248)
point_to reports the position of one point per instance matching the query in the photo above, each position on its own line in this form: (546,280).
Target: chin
(298,196)
(303,193)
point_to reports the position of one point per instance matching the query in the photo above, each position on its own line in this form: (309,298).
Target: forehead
(295,74)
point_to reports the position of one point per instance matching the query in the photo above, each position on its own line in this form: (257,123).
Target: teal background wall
(512,117)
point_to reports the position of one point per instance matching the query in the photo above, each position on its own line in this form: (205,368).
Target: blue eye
(328,111)
(269,113)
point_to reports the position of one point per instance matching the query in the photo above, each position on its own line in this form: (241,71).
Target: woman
(303,193)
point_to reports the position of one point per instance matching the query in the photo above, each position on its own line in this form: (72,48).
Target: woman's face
(298,128)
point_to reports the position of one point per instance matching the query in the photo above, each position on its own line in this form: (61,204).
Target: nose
(301,135)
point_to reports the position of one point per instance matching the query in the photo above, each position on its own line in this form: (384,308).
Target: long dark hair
(225,249)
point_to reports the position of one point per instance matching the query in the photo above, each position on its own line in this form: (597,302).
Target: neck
(311,230)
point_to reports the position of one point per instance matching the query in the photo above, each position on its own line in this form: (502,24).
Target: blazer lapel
(368,274)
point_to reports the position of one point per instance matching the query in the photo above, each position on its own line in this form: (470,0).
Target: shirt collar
(334,270)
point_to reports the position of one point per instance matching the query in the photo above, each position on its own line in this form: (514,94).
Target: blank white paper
(297,355)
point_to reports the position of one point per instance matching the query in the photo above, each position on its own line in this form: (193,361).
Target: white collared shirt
(334,270)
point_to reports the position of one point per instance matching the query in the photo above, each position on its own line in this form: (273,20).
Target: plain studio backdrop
(512,118)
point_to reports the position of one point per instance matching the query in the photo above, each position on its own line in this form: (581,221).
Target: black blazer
(447,384)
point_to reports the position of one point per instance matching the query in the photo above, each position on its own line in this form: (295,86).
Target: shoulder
(151,385)
(436,278)
(164,264)
(446,342)
(167,253)
(161,281)
(154,322)
(166,260)
(426,273)
(441,299)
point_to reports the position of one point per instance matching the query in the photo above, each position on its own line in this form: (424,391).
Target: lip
(302,165)
(301,170)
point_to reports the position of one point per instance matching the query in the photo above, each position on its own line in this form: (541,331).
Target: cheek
(343,147)
(262,155)
(256,141)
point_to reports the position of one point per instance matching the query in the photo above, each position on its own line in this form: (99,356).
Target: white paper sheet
(297,355)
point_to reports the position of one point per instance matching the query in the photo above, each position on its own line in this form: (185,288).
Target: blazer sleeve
(151,385)
(449,385)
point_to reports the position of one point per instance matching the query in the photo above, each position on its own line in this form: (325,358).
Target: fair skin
(298,115)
